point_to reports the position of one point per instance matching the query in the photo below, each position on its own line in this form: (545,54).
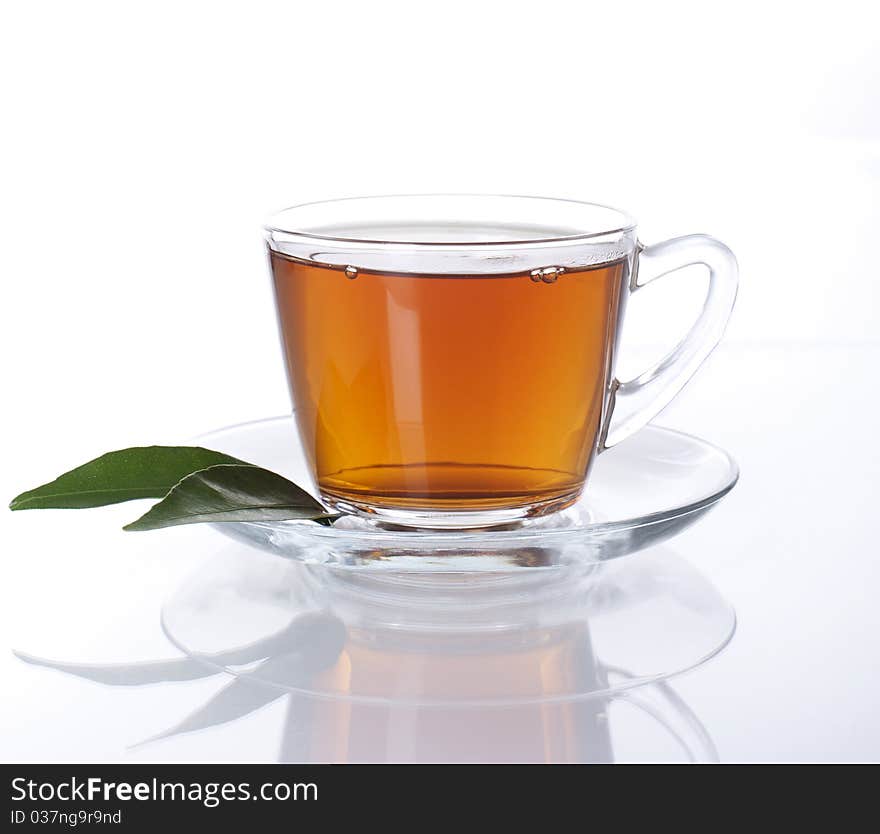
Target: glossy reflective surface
(370,668)
(456,640)
(795,553)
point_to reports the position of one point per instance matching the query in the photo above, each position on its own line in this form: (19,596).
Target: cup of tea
(451,358)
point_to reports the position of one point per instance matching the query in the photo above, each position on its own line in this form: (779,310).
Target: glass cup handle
(634,403)
(662,703)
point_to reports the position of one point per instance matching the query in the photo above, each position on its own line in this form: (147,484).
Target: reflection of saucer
(647,489)
(449,640)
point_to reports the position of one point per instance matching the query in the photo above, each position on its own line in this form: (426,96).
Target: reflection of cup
(475,702)
(451,358)
(431,672)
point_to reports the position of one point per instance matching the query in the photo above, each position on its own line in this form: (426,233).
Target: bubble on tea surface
(548,275)
(351,272)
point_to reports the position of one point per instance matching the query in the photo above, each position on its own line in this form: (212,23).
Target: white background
(142,150)
(144,144)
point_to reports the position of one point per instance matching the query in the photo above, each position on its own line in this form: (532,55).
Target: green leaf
(124,475)
(231,492)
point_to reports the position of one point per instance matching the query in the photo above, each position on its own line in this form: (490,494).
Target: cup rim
(624,225)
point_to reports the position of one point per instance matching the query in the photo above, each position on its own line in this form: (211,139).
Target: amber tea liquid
(447,392)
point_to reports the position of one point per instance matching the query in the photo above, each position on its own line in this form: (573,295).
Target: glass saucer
(647,489)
